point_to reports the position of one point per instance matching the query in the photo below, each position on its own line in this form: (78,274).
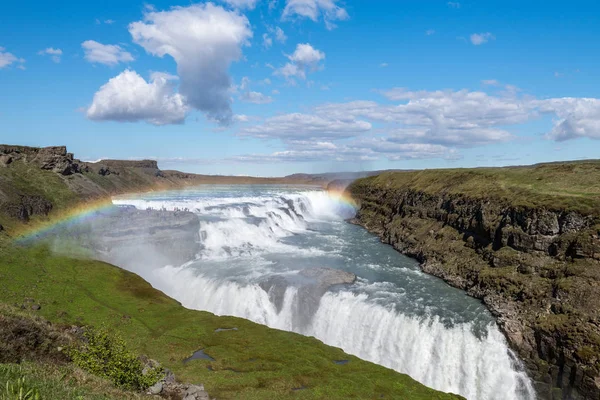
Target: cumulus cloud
(328,10)
(304,59)
(107,54)
(430,32)
(481,38)
(453,4)
(7,59)
(55,54)
(203,39)
(242,4)
(576,117)
(129,98)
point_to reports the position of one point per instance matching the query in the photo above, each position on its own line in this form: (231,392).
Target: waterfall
(397,318)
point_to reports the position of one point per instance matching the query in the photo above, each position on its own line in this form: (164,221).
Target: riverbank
(523,239)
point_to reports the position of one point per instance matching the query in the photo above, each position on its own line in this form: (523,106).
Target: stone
(36,307)
(156,388)
(5,159)
(196,392)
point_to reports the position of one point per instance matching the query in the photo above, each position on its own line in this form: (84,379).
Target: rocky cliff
(529,250)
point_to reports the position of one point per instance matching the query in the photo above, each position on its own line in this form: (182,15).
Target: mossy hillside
(572,185)
(254,362)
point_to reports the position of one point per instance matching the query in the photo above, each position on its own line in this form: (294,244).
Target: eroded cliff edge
(525,240)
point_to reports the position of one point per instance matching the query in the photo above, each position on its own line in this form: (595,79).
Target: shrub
(107,356)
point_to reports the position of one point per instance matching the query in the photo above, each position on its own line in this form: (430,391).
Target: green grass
(56,382)
(571,185)
(254,362)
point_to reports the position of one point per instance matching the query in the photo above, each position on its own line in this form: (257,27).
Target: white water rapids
(394,315)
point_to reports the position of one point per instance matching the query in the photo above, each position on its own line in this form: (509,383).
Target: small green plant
(107,356)
(17,388)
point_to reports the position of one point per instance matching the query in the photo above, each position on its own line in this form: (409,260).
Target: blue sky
(267,87)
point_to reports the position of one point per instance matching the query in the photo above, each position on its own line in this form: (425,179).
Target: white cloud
(453,4)
(384,65)
(304,59)
(420,125)
(306,126)
(577,117)
(203,39)
(275,92)
(107,54)
(129,98)
(314,10)
(256,98)
(7,59)
(109,21)
(481,38)
(154,75)
(430,32)
(54,53)
(279,34)
(267,41)
(242,4)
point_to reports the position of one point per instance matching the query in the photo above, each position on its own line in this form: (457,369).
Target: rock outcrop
(26,206)
(536,268)
(54,158)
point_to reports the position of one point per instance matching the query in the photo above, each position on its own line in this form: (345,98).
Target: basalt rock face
(26,207)
(54,158)
(537,270)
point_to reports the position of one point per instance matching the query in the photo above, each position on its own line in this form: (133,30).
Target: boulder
(156,388)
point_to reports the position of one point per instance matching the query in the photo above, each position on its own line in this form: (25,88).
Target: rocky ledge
(537,270)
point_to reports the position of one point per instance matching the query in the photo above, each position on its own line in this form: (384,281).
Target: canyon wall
(536,267)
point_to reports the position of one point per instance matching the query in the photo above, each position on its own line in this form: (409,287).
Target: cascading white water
(395,315)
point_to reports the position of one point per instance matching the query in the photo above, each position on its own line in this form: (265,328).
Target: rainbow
(342,197)
(80,213)
(83,212)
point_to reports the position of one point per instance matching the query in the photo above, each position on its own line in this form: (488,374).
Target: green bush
(107,356)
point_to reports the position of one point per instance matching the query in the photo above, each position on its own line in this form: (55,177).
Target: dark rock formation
(54,158)
(536,269)
(26,207)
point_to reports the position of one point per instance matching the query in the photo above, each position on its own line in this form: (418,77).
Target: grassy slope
(60,382)
(573,185)
(253,362)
